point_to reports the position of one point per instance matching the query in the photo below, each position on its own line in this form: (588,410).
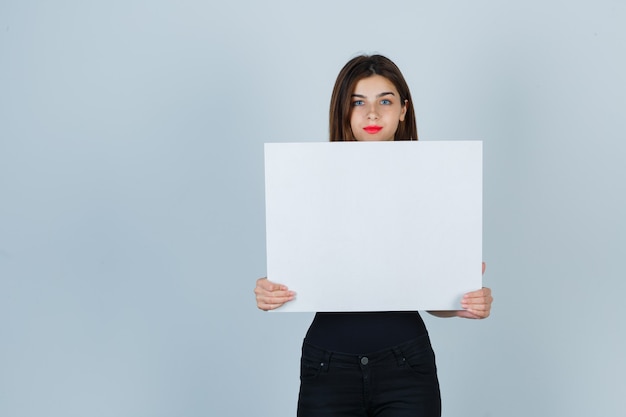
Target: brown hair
(341,101)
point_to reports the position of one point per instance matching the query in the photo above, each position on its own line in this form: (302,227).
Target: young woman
(370,363)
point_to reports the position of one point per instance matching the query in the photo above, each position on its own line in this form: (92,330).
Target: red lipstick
(372,129)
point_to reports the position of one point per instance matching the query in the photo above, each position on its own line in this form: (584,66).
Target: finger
(274,299)
(271,303)
(260,292)
(272,286)
(482,309)
(472,314)
(484,267)
(467,315)
(477,303)
(265,284)
(483,292)
(475,315)
(268,285)
(481,313)
(477,311)
(267,307)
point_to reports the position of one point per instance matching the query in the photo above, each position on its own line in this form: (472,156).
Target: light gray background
(132,213)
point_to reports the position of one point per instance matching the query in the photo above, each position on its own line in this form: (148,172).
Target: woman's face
(376,109)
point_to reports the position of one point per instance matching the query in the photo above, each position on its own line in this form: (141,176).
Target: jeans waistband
(393,353)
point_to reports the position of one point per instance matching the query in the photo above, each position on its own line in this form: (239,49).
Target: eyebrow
(385,93)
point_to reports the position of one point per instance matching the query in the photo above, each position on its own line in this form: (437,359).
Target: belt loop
(325,365)
(399,356)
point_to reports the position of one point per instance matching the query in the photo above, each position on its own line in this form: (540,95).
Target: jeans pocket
(311,363)
(309,369)
(420,359)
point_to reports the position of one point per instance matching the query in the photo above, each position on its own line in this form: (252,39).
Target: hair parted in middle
(356,69)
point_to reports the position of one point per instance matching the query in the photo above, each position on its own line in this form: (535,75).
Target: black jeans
(397,382)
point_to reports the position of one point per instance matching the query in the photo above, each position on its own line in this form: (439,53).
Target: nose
(372,114)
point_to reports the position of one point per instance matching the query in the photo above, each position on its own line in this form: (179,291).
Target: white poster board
(374,226)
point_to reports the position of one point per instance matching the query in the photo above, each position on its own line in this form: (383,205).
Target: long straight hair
(356,69)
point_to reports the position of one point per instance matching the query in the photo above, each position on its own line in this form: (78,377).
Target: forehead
(374,84)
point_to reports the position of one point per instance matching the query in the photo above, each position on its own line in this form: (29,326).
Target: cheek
(356,112)
(394,117)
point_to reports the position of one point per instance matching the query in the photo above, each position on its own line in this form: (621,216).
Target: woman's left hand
(476,304)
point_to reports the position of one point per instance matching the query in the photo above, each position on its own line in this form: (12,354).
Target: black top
(367,332)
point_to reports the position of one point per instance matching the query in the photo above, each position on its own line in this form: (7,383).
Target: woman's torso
(364,332)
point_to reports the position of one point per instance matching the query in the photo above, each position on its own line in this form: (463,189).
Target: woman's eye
(358,103)
(385,102)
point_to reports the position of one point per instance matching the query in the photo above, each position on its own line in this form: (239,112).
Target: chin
(374,138)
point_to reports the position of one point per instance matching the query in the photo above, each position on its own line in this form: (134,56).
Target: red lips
(372,129)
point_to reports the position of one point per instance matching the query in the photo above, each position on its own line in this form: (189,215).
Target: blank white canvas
(374,226)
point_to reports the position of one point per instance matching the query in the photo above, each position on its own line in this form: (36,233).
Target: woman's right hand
(270,295)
